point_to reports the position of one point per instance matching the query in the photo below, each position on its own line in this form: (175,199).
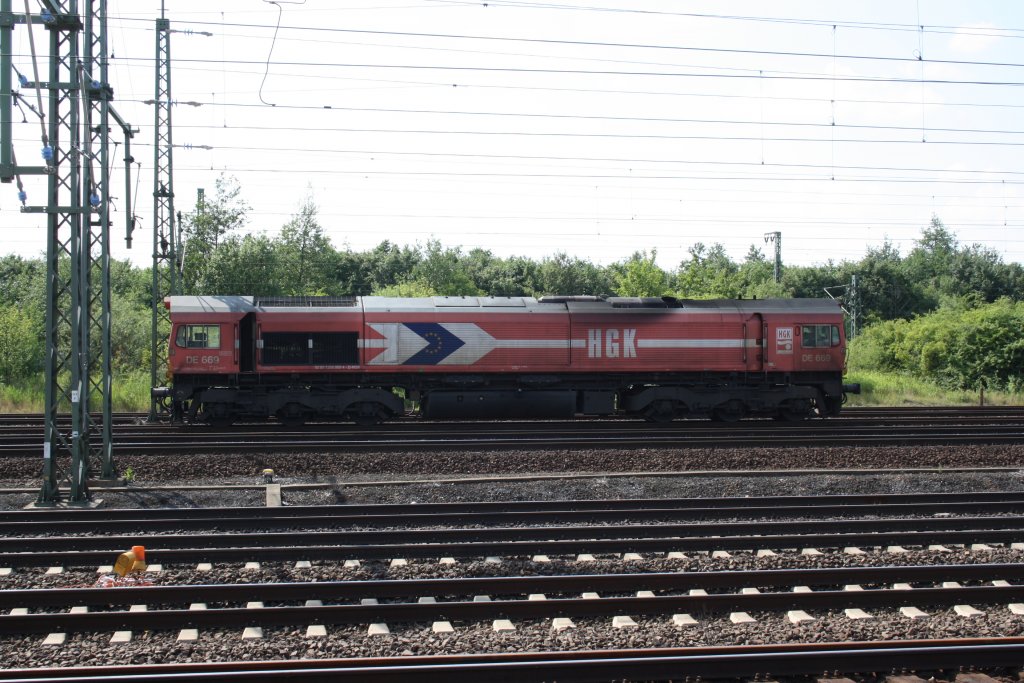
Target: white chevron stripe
(476,344)
(696,343)
(399,343)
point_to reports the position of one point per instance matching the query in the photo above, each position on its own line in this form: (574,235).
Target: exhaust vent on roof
(305,301)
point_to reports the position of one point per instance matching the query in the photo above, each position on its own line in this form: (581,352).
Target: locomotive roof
(582,304)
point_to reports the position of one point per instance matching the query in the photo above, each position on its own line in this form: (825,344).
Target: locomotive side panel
(673,340)
(464,339)
(304,341)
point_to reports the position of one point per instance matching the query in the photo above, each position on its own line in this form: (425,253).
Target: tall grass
(129,393)
(26,397)
(889,389)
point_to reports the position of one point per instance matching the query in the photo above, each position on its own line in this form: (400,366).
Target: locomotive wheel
(291,415)
(369,414)
(660,412)
(217,415)
(730,411)
(794,410)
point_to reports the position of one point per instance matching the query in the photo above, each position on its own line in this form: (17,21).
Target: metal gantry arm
(129,134)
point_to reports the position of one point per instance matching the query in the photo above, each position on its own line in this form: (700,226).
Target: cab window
(198,337)
(820,336)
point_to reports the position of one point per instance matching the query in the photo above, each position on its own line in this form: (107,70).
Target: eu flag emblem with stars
(440,344)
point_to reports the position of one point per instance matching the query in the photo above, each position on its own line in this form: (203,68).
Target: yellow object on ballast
(132,561)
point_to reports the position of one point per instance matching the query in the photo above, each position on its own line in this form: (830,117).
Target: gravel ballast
(339,474)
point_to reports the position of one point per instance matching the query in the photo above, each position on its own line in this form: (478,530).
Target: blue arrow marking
(440,344)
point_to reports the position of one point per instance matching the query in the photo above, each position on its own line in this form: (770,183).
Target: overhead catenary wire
(863,25)
(302,149)
(598,44)
(605,72)
(270,53)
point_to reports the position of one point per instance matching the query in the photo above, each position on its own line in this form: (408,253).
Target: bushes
(962,345)
(21,351)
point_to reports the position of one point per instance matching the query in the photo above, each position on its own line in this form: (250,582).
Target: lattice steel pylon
(96,180)
(75,148)
(776,237)
(165,261)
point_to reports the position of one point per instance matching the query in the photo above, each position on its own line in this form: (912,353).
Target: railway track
(864,427)
(829,594)
(582,667)
(503,514)
(913,556)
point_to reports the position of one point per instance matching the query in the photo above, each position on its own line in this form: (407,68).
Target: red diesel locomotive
(363,358)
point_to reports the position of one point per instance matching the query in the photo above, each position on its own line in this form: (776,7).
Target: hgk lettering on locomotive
(612,343)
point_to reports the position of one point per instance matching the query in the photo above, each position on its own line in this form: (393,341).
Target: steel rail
(411,589)
(693,428)
(418,427)
(576,667)
(839,501)
(415,535)
(468,435)
(848,412)
(95,525)
(923,438)
(417,612)
(424,546)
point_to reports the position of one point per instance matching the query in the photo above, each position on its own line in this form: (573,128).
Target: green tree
(441,270)
(708,274)
(562,274)
(129,334)
(207,227)
(416,288)
(756,277)
(639,275)
(243,265)
(930,262)
(963,345)
(980,270)
(134,284)
(886,287)
(305,258)
(23,282)
(21,348)
(388,264)
(515,276)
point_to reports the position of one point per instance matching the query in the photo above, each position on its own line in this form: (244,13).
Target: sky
(595,128)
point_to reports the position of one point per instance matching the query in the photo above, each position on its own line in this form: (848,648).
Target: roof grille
(644,302)
(305,301)
(563,299)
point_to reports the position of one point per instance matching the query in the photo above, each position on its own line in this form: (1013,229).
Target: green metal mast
(75,141)
(95,185)
(776,237)
(165,261)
